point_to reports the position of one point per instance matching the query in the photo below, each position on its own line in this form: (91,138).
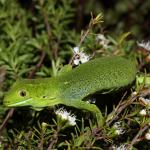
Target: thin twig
(48,30)
(92,22)
(53,140)
(121,107)
(135,139)
(145,92)
(40,145)
(46,23)
(121,101)
(84,35)
(9,115)
(39,64)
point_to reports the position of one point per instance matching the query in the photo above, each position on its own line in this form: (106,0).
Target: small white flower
(120,129)
(44,124)
(62,113)
(134,93)
(84,58)
(66,116)
(79,56)
(145,45)
(147,136)
(76,62)
(72,120)
(145,101)
(120,147)
(76,50)
(91,100)
(143,112)
(117,124)
(101,39)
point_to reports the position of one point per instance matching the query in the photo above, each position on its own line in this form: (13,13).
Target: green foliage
(35,29)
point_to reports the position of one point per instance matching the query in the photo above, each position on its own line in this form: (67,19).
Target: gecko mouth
(15,104)
(29,102)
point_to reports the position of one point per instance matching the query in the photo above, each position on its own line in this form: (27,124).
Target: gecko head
(27,93)
(18,95)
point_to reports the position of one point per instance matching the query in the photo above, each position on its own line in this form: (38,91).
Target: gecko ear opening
(44,96)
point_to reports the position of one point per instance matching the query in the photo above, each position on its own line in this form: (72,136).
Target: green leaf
(123,37)
(65,69)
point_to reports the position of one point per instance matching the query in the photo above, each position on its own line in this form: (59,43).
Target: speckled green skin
(101,75)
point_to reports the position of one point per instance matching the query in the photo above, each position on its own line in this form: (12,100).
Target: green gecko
(71,87)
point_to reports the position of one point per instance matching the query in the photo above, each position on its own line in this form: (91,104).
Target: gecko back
(99,75)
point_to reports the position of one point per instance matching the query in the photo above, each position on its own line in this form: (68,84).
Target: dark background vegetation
(119,16)
(36,36)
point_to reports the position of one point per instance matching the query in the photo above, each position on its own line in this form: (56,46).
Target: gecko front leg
(83,105)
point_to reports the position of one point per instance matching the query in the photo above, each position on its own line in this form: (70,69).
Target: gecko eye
(22,93)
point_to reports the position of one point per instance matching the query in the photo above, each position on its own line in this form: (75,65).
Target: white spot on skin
(66,83)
